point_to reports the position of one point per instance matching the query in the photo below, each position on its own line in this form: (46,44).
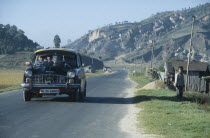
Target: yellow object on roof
(56,49)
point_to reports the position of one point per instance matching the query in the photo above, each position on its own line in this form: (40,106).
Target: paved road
(51,117)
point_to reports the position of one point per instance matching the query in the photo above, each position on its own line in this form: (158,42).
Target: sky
(41,20)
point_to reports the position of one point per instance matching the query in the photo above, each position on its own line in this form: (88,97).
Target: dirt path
(129,123)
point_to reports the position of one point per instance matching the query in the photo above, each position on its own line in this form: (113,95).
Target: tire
(77,95)
(85,89)
(81,94)
(26,96)
(74,96)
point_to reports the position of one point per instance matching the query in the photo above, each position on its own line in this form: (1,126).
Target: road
(56,117)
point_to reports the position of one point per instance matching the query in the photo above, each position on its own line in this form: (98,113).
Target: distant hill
(13,40)
(170,32)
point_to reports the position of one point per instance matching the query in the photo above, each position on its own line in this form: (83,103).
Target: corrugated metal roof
(194,66)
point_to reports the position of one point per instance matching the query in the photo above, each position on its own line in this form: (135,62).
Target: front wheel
(85,89)
(26,96)
(81,94)
(74,96)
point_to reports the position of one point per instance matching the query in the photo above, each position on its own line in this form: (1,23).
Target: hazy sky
(70,19)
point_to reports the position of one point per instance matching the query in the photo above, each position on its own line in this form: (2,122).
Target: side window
(78,61)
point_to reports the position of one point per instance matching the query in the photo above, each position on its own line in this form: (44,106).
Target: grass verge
(141,80)
(166,116)
(10,79)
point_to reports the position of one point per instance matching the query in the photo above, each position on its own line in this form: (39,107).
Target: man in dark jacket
(179,82)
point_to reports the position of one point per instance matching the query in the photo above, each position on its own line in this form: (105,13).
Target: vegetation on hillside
(15,60)
(13,40)
(169,30)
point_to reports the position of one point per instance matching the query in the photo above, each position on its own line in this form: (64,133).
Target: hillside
(170,32)
(14,40)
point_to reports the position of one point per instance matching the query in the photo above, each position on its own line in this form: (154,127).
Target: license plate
(54,91)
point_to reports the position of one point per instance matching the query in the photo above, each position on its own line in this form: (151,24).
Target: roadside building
(198,74)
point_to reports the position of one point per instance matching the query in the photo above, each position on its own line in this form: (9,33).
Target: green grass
(10,88)
(141,80)
(166,116)
(10,79)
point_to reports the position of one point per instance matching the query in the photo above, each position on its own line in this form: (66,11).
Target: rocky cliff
(168,32)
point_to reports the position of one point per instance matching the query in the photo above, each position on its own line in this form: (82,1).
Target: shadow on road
(113,100)
(130,100)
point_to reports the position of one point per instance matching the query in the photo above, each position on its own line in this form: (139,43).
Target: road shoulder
(129,122)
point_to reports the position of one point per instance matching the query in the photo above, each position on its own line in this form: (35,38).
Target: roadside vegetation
(166,116)
(10,79)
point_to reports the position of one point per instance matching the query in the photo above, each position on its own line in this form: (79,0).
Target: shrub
(161,67)
(197,97)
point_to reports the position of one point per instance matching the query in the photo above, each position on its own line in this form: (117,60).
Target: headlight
(71,74)
(28,73)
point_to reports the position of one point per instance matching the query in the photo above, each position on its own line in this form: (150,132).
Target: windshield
(55,59)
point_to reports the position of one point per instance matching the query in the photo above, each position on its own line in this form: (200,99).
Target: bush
(197,97)
(161,67)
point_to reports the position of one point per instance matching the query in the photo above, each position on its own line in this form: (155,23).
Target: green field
(166,116)
(10,79)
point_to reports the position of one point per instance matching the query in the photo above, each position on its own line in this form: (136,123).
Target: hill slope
(14,40)
(170,32)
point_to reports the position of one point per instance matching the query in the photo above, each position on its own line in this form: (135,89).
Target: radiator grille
(49,79)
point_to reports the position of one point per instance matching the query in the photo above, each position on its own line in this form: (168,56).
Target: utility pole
(152,56)
(142,58)
(152,51)
(189,54)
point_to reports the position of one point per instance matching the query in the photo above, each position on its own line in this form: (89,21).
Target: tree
(13,40)
(69,41)
(57,41)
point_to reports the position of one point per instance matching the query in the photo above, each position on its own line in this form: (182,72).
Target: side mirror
(27,63)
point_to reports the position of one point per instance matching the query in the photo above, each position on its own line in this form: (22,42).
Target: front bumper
(27,85)
(64,88)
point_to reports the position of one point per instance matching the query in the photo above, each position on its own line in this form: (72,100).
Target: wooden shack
(197,71)
(207,79)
